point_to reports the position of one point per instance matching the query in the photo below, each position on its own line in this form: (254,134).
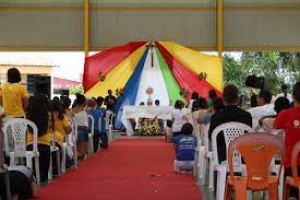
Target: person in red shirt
(289,119)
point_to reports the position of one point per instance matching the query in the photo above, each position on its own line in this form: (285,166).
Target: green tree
(276,67)
(290,63)
(78,89)
(233,72)
(265,64)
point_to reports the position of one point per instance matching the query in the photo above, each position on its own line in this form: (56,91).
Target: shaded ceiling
(53,25)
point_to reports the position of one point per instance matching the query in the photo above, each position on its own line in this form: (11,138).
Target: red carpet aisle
(127,170)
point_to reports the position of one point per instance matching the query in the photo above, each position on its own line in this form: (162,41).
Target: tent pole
(86,30)
(220,27)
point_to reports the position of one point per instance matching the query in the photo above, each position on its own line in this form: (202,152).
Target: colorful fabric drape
(102,63)
(130,90)
(173,71)
(187,79)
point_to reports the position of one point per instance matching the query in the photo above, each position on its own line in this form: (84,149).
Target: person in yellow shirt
(14,95)
(47,117)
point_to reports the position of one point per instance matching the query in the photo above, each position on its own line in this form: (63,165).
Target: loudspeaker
(255,82)
(42,85)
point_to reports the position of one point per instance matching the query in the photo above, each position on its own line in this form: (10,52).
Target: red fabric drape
(187,79)
(105,61)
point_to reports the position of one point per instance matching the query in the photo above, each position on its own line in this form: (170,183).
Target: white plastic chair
(231,130)
(109,124)
(70,146)
(16,129)
(200,153)
(91,135)
(101,118)
(169,135)
(54,149)
(208,158)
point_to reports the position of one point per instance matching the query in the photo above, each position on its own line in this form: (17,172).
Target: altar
(159,112)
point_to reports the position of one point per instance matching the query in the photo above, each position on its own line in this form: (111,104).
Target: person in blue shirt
(185,145)
(99,132)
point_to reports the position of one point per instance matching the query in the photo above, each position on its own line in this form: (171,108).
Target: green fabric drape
(172,85)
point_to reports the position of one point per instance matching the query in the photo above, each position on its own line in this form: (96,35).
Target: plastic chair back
(109,119)
(258,150)
(231,131)
(73,125)
(72,137)
(295,155)
(205,138)
(16,129)
(91,123)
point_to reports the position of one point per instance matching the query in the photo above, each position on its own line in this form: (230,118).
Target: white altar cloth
(160,112)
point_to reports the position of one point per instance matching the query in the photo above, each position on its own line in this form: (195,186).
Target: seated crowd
(281,118)
(51,118)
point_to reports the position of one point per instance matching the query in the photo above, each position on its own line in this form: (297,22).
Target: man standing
(110,102)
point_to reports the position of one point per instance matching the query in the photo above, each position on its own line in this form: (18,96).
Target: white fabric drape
(152,77)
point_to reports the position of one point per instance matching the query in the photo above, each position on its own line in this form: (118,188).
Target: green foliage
(276,67)
(233,74)
(78,89)
(291,64)
(264,64)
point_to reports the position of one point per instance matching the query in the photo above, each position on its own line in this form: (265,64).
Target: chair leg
(11,160)
(221,183)
(211,174)
(110,133)
(241,192)
(58,163)
(29,162)
(286,192)
(50,171)
(204,168)
(196,160)
(37,170)
(64,158)
(75,155)
(273,192)
(91,149)
(201,162)
(228,192)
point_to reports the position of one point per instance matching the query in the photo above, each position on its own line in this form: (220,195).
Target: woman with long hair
(49,120)
(284,93)
(65,104)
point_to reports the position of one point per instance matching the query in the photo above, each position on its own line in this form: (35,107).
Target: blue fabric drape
(130,90)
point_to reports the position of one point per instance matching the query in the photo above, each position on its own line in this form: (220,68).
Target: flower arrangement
(101,77)
(149,127)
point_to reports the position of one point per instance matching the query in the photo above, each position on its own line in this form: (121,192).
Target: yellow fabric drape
(198,62)
(118,77)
